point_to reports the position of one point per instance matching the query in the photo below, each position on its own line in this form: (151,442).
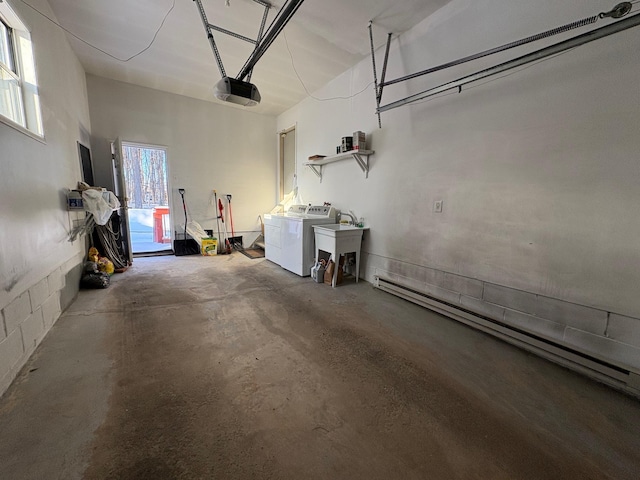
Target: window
(6,53)
(19,98)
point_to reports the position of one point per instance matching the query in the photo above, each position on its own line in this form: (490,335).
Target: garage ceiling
(324,39)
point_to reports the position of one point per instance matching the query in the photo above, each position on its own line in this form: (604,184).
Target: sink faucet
(353,217)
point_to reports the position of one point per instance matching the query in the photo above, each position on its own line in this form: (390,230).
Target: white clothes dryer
(273,232)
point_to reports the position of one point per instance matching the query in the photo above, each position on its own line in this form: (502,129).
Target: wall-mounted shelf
(360,156)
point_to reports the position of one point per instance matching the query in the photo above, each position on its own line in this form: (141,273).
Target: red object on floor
(158,225)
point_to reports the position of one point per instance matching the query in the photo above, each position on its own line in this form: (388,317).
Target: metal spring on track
(555,31)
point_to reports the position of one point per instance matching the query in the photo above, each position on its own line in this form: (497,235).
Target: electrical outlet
(437,206)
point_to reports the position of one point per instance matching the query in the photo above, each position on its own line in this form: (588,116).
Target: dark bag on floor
(95,280)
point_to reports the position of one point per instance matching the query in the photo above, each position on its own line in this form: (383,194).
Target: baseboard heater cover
(597,369)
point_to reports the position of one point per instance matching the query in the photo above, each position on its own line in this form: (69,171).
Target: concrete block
(408,282)
(71,284)
(510,298)
(416,272)
(391,264)
(408,270)
(577,316)
(16,312)
(612,351)
(442,294)
(392,277)
(424,288)
(33,331)
(11,351)
(375,265)
(379,265)
(72,263)
(483,308)
(38,294)
(433,276)
(535,325)
(51,310)
(624,329)
(55,281)
(465,285)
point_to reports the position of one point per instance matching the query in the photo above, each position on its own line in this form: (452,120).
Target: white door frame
(280,169)
(172,210)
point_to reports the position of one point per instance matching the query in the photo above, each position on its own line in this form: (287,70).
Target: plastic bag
(90,267)
(95,280)
(93,255)
(100,204)
(196,231)
(105,265)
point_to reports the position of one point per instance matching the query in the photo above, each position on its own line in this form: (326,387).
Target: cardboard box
(328,273)
(209,246)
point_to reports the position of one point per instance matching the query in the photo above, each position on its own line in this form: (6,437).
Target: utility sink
(333,229)
(338,239)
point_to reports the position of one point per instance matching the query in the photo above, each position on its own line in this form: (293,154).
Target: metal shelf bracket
(360,156)
(317,169)
(363,163)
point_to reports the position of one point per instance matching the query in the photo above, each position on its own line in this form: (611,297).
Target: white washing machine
(297,240)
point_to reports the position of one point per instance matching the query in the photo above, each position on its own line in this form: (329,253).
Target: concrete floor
(231,368)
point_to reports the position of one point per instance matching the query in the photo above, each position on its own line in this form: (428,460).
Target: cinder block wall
(39,266)
(27,319)
(605,335)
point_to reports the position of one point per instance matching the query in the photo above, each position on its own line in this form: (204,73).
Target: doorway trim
(281,137)
(166,150)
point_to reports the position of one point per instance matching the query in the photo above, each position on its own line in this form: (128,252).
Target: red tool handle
(221,208)
(233,234)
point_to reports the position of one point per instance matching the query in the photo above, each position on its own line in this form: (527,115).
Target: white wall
(35,256)
(210,146)
(538,171)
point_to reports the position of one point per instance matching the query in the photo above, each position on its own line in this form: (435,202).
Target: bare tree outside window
(145,174)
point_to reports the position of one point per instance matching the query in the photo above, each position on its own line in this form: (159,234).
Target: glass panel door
(145,178)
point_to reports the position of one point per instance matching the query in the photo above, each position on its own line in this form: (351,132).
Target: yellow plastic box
(209,246)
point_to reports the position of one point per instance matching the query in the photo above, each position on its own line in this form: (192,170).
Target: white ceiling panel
(324,39)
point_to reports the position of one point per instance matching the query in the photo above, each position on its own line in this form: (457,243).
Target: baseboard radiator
(585,364)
